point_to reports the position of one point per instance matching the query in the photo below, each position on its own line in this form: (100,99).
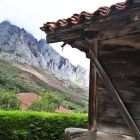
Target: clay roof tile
(87,16)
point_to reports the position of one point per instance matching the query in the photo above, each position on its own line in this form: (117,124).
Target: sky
(32,14)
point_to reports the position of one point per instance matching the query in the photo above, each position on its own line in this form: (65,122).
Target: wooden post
(92,118)
(130,122)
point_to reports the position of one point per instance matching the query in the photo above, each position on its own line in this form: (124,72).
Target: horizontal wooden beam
(119,32)
(52,38)
(107,25)
(128,40)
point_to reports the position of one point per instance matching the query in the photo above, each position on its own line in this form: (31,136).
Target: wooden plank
(93,92)
(125,30)
(64,30)
(106,124)
(115,96)
(126,81)
(130,84)
(114,128)
(114,56)
(107,25)
(122,69)
(118,120)
(116,48)
(52,38)
(129,40)
(126,95)
(108,136)
(111,110)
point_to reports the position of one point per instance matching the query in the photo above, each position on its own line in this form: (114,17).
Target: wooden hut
(110,38)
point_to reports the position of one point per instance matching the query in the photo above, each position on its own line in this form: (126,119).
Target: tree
(48,103)
(9,100)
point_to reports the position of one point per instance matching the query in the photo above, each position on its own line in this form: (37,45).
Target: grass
(9,69)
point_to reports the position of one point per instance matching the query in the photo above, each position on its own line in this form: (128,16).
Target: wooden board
(108,136)
(129,40)
(110,109)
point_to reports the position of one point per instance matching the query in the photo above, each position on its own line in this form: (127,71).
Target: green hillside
(20,81)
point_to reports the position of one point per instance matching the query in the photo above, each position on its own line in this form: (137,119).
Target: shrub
(9,100)
(48,103)
(22,125)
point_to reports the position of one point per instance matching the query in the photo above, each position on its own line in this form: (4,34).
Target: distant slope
(18,45)
(23,78)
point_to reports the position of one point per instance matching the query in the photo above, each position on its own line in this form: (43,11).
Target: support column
(92,118)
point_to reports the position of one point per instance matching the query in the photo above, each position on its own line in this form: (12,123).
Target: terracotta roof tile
(86,16)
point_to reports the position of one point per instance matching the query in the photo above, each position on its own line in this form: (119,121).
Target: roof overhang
(106,27)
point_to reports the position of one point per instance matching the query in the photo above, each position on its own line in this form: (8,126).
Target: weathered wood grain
(124,112)
(122,31)
(79,134)
(128,94)
(122,69)
(118,120)
(116,56)
(93,92)
(111,110)
(107,25)
(126,81)
(64,36)
(129,40)
(108,136)
(106,124)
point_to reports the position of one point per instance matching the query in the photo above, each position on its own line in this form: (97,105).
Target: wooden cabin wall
(122,65)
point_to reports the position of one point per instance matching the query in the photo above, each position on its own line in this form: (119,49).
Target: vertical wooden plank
(92,118)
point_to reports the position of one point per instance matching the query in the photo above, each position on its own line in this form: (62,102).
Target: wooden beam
(70,35)
(119,32)
(132,126)
(114,29)
(92,118)
(107,25)
(129,40)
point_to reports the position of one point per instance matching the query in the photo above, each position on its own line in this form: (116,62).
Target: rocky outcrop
(18,45)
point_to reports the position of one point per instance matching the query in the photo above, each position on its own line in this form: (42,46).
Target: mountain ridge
(18,45)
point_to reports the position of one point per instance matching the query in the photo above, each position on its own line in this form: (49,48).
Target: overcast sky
(31,14)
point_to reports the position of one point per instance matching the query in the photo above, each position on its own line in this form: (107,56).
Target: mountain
(18,45)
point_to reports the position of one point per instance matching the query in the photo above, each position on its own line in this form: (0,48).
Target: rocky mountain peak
(18,45)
